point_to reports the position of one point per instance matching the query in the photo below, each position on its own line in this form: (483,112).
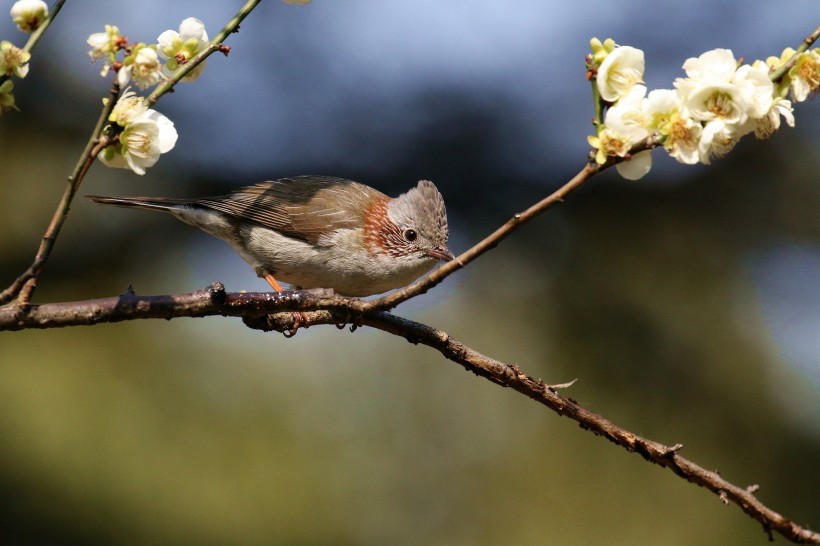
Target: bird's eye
(410,235)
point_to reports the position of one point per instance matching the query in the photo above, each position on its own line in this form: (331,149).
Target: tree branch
(23,286)
(804,46)
(276,311)
(320,306)
(424,284)
(34,39)
(213,46)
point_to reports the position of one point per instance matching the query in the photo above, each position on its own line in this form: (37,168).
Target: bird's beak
(441,253)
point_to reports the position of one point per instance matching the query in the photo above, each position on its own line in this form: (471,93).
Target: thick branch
(666,456)
(321,307)
(129,306)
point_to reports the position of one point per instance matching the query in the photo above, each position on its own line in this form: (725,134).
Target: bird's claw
(299,319)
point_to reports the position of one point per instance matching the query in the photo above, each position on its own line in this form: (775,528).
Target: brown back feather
(303,207)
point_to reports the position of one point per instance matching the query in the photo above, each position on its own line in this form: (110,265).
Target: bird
(320,231)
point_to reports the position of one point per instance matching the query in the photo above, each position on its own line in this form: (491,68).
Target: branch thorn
(568,384)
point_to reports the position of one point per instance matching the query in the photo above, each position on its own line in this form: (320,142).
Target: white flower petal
(124,76)
(619,72)
(758,88)
(662,101)
(627,117)
(112,157)
(637,166)
(717,65)
(717,139)
(167,133)
(142,141)
(193,28)
(166,39)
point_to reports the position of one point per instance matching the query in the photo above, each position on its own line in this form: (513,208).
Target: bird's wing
(303,207)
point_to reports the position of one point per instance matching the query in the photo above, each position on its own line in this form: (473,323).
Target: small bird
(321,231)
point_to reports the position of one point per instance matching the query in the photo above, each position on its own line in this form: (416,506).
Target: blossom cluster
(149,64)
(719,101)
(143,133)
(28,15)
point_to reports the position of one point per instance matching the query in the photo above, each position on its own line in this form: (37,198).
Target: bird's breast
(342,260)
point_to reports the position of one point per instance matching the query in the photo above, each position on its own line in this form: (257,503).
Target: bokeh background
(687,304)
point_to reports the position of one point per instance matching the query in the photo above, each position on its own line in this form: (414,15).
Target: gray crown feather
(424,208)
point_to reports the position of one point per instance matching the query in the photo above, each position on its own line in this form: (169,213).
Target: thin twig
(34,39)
(213,46)
(423,285)
(590,169)
(23,287)
(804,46)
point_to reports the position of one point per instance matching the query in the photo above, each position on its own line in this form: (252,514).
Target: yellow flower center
(808,70)
(679,132)
(720,104)
(613,144)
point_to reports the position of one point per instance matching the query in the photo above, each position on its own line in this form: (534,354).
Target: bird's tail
(164,204)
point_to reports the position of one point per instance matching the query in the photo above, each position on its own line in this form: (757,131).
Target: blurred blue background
(687,304)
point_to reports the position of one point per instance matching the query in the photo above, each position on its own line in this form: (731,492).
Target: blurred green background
(686,304)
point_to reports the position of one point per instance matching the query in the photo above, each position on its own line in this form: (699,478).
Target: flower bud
(28,15)
(7,97)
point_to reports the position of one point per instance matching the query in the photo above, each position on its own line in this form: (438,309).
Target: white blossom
(709,92)
(13,60)
(141,142)
(177,48)
(608,143)
(770,123)
(627,116)
(681,134)
(625,125)
(805,75)
(128,108)
(717,90)
(7,97)
(145,69)
(704,117)
(717,139)
(759,88)
(714,65)
(104,44)
(707,101)
(621,70)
